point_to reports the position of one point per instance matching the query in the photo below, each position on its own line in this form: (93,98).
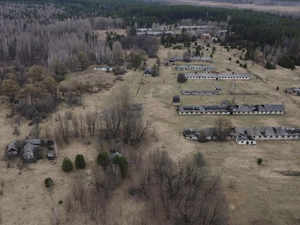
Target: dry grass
(256,194)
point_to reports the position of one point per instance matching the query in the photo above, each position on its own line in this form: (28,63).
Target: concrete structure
(217,91)
(193,58)
(293,91)
(153,32)
(176,100)
(148,72)
(225,109)
(216,76)
(194,67)
(200,28)
(12,149)
(245,136)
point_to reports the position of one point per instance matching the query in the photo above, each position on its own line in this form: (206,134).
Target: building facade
(245,136)
(267,109)
(216,76)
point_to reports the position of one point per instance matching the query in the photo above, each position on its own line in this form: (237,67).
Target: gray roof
(29,152)
(34,141)
(233,108)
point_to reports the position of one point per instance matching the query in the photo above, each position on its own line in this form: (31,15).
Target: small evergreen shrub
(181,78)
(80,161)
(123,165)
(287,62)
(48,182)
(60,202)
(259,161)
(103,159)
(270,66)
(67,165)
(199,160)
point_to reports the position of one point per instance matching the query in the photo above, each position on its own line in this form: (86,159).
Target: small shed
(29,153)
(176,100)
(12,149)
(148,72)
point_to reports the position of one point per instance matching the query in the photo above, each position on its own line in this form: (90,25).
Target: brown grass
(256,194)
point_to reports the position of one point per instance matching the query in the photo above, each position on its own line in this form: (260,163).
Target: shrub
(67,165)
(259,161)
(79,162)
(103,159)
(48,182)
(181,78)
(270,66)
(287,62)
(123,165)
(199,160)
(119,70)
(60,202)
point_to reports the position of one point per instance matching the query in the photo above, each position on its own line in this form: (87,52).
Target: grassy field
(257,195)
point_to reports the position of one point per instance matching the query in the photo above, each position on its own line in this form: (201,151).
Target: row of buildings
(194,67)
(224,109)
(216,76)
(293,91)
(247,136)
(154,33)
(193,58)
(217,91)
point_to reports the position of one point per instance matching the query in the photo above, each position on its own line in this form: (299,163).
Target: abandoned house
(216,76)
(193,58)
(217,91)
(176,100)
(293,91)
(201,135)
(194,68)
(30,150)
(245,136)
(225,109)
(148,72)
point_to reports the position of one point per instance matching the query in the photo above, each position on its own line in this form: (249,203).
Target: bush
(103,159)
(123,165)
(287,62)
(67,165)
(181,78)
(79,162)
(119,70)
(259,161)
(48,182)
(199,160)
(270,66)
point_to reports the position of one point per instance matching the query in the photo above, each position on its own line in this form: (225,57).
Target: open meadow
(257,195)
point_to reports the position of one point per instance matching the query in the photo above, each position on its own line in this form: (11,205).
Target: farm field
(257,195)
